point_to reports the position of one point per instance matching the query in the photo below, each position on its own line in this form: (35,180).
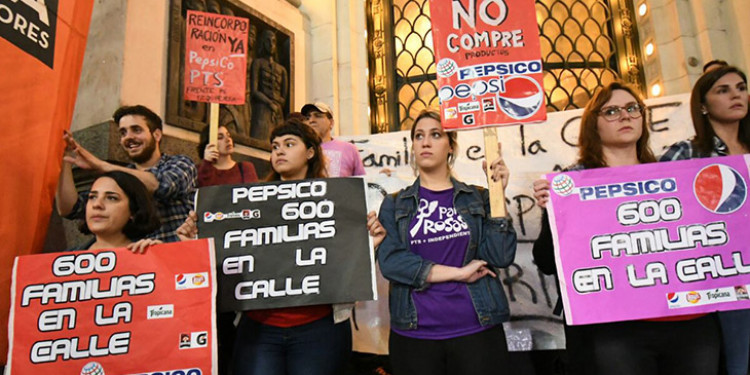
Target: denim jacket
(492,240)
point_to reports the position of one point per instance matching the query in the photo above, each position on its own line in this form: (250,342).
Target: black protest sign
(289,243)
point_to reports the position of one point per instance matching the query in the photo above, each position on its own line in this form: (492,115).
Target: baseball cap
(317,106)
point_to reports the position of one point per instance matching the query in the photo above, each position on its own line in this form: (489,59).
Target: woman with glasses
(719,108)
(612,134)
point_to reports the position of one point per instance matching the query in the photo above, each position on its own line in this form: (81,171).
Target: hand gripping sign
(115,312)
(489,66)
(652,240)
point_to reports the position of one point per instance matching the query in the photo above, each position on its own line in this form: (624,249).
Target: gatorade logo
(720,189)
(522,97)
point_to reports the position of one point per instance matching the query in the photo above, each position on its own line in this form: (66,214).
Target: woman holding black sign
(613,133)
(293,340)
(719,108)
(447,305)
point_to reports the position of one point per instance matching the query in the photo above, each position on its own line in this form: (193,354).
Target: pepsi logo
(673,297)
(720,189)
(180,279)
(522,98)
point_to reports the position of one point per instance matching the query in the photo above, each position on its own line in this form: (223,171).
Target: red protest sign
(215,58)
(115,312)
(489,66)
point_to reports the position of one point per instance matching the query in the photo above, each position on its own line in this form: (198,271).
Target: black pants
(485,352)
(689,347)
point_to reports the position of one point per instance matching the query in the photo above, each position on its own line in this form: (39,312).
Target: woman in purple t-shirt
(446,302)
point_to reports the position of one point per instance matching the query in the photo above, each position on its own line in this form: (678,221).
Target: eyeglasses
(613,113)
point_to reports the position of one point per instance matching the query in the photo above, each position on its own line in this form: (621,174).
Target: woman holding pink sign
(613,133)
(719,108)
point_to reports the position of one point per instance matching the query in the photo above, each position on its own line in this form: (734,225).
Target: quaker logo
(91,368)
(468,107)
(720,189)
(184,341)
(741,292)
(488,105)
(522,97)
(468,119)
(193,340)
(31,25)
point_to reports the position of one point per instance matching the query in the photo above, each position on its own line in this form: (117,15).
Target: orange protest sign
(489,66)
(115,311)
(215,58)
(41,53)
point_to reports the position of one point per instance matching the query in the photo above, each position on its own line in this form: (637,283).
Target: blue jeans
(735,329)
(317,348)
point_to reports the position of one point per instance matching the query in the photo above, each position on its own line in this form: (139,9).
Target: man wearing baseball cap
(342,157)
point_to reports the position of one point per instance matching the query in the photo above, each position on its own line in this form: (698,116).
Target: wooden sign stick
(213,123)
(497,194)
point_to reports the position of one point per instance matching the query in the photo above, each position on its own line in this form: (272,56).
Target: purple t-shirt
(343,159)
(439,234)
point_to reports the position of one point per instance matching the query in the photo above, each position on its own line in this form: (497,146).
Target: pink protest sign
(652,240)
(215,58)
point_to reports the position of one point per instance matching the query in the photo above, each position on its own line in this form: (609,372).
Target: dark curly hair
(141,204)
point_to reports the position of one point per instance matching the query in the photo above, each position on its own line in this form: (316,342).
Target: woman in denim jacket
(446,303)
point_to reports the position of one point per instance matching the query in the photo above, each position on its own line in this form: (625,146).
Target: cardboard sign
(115,312)
(215,58)
(291,243)
(652,240)
(489,66)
